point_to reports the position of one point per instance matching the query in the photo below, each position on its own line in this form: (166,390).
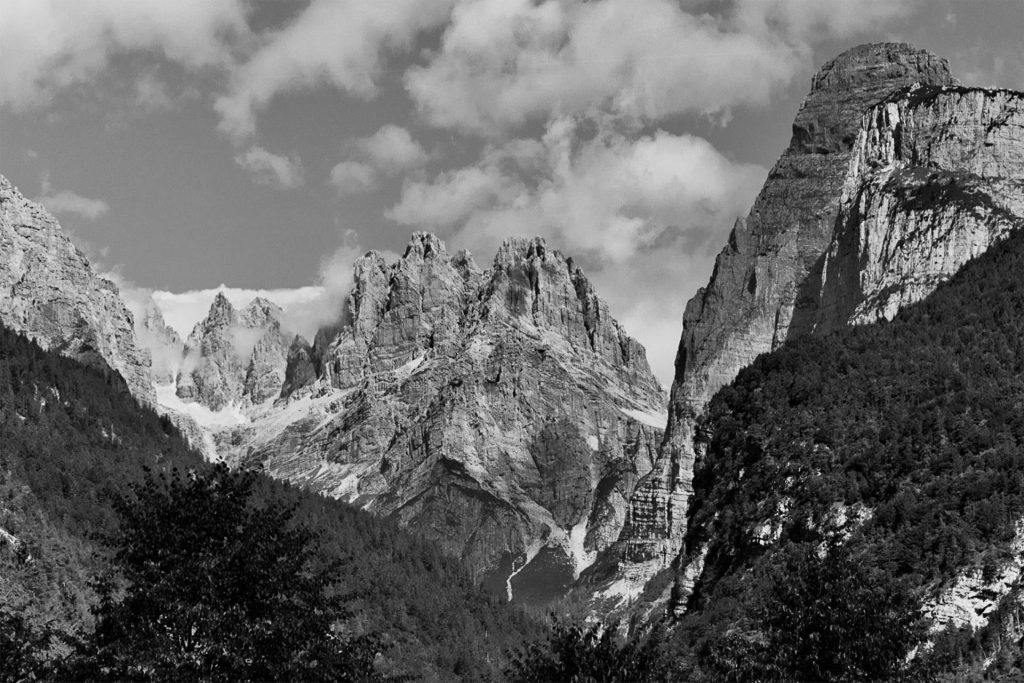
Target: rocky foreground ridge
(51,293)
(896,176)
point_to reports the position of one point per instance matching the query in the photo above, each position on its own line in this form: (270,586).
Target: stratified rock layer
(50,292)
(496,411)
(895,177)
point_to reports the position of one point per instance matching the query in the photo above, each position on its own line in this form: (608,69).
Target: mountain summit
(502,412)
(896,176)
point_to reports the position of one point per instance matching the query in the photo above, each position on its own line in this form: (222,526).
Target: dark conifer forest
(96,491)
(887,460)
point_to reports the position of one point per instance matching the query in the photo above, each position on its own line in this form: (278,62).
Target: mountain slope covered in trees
(75,443)
(897,448)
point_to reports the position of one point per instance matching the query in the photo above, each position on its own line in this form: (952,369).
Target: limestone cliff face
(895,177)
(760,280)
(165,346)
(937,177)
(234,356)
(51,293)
(503,413)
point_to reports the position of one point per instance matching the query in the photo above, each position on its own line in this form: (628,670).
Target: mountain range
(501,413)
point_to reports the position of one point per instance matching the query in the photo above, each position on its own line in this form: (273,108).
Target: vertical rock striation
(50,292)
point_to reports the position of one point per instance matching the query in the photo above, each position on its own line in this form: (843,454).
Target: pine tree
(219,587)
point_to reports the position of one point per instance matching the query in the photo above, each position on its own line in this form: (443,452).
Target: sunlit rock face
(234,357)
(937,177)
(51,293)
(166,347)
(895,177)
(501,412)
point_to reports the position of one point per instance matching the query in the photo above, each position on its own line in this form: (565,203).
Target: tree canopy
(220,587)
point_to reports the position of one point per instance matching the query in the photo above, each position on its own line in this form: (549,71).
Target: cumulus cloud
(342,43)
(53,44)
(392,149)
(66,201)
(267,168)
(353,177)
(388,152)
(643,212)
(611,195)
(503,63)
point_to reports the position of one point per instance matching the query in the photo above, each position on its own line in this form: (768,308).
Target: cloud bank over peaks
(641,211)
(305,309)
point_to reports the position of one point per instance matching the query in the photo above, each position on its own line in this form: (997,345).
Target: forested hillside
(75,448)
(845,481)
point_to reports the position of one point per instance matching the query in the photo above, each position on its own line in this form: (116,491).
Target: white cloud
(503,63)
(182,310)
(388,152)
(392,150)
(610,196)
(52,44)
(306,309)
(815,20)
(66,201)
(267,168)
(644,213)
(353,177)
(342,43)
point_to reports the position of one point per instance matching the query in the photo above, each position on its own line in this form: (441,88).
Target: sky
(264,145)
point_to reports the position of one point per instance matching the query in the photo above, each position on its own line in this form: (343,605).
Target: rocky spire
(497,411)
(234,356)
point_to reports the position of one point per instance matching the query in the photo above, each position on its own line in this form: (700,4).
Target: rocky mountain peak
(234,355)
(163,342)
(424,245)
(221,314)
(499,412)
(847,85)
(516,250)
(831,240)
(260,312)
(52,294)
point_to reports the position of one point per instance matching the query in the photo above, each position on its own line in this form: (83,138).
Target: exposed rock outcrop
(234,356)
(165,346)
(51,293)
(895,177)
(503,413)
